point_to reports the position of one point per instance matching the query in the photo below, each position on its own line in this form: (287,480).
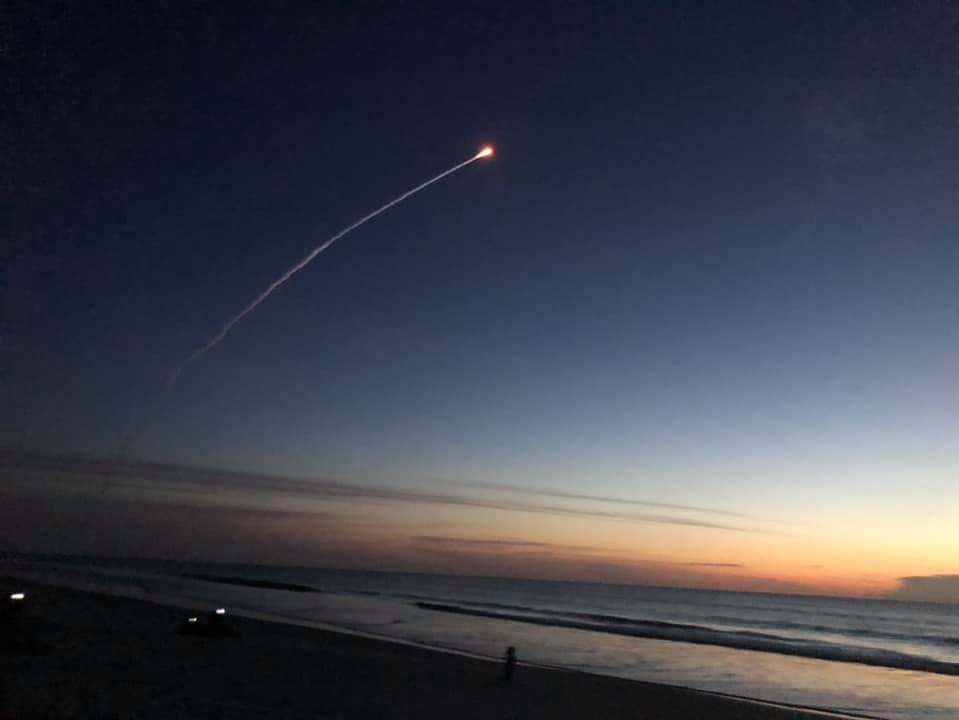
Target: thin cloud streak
(104,476)
(520,490)
(494,543)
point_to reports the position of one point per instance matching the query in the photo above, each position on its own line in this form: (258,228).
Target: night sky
(714,264)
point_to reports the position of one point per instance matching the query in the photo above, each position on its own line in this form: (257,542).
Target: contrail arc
(216,339)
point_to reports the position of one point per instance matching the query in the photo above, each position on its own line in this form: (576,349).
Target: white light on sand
(220,611)
(17,596)
(192,619)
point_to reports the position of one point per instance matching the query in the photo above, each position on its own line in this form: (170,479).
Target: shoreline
(339,629)
(756,642)
(97,628)
(654,630)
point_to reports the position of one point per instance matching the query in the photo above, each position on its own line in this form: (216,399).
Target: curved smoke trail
(213,342)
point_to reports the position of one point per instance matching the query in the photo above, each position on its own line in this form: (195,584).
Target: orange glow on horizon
(877,550)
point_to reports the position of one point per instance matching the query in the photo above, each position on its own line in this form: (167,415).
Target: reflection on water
(847,687)
(842,686)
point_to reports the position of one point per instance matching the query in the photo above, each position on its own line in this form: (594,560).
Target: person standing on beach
(509,665)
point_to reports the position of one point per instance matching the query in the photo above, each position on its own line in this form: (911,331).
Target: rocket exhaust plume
(485,152)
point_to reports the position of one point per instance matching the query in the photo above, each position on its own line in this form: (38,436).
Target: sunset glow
(509,531)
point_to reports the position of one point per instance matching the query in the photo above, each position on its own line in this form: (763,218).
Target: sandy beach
(106,657)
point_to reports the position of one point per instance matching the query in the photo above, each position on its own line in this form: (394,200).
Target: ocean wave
(741,623)
(700,635)
(852,632)
(251,582)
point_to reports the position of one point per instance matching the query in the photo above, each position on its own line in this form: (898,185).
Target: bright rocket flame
(487,151)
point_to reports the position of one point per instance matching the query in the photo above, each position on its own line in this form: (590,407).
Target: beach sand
(106,657)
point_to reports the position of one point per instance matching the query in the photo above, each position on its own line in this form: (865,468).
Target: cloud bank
(928,588)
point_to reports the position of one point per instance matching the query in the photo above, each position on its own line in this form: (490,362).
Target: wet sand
(105,657)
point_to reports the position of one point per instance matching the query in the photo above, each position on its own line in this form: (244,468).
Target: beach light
(192,620)
(16,631)
(221,611)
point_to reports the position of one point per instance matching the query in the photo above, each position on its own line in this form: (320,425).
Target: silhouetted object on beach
(206,624)
(15,634)
(509,664)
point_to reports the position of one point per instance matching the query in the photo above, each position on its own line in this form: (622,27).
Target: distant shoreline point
(246,582)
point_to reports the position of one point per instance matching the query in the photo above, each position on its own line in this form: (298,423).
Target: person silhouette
(509,665)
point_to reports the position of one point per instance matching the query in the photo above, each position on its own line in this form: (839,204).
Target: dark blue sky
(715,244)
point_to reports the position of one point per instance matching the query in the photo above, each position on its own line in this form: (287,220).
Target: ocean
(879,658)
